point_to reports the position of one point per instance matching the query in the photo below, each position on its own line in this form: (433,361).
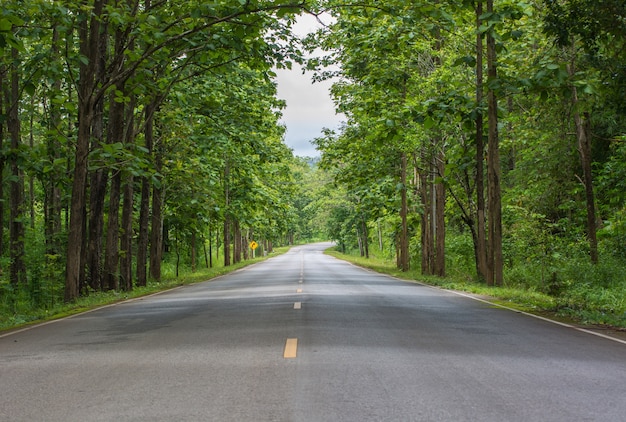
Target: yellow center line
(291,348)
(297,305)
(299,291)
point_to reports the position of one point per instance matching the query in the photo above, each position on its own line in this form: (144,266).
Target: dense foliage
(484,140)
(479,126)
(138,133)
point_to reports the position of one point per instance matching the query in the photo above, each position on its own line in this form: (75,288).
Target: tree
(175,40)
(600,31)
(495,262)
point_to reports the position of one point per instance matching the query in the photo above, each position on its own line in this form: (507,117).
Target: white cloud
(309,105)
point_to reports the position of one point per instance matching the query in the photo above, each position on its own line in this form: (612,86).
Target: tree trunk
(204,249)
(31,179)
(156,229)
(359,241)
(193,251)
(177,250)
(89,31)
(244,246)
(226,241)
(144,233)
(115,133)
(236,242)
(365,234)
(404,229)
(493,168)
(144,206)
(440,221)
(210,263)
(426,236)
(584,150)
(99,181)
(4,100)
(111,255)
(226,213)
(17,269)
(584,147)
(126,240)
(156,233)
(480,244)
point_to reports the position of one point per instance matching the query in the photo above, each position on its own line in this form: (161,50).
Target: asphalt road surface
(306,337)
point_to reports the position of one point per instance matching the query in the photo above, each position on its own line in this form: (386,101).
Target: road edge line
(552,321)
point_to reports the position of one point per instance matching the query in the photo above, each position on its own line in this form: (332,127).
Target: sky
(309,105)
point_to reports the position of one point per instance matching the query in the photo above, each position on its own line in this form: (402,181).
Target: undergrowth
(19,307)
(576,291)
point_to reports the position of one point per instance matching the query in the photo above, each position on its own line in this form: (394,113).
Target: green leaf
(30,88)
(5,25)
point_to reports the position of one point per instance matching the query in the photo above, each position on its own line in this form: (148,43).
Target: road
(306,337)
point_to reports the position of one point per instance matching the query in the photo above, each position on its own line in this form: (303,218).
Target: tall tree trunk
(404,209)
(126,240)
(126,236)
(226,213)
(156,233)
(206,253)
(439,190)
(365,234)
(4,104)
(480,230)
(584,150)
(98,185)
(89,32)
(111,253)
(144,233)
(31,179)
(156,225)
(493,168)
(144,206)
(115,133)
(359,241)
(226,239)
(210,264)
(98,180)
(244,246)
(236,242)
(17,269)
(439,217)
(52,194)
(426,238)
(193,251)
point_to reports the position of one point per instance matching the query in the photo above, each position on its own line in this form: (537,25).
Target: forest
(484,142)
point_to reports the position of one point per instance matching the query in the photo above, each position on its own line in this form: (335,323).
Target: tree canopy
(483,138)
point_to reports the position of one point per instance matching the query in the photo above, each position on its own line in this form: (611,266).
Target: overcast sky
(309,106)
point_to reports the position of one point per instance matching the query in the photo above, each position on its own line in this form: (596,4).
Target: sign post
(253,246)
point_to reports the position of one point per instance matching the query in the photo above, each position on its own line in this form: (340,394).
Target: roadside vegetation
(581,293)
(17,310)
(483,148)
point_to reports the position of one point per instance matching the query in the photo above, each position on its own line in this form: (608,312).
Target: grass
(580,302)
(26,315)
(579,309)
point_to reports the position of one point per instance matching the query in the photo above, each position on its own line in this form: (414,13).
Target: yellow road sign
(254,245)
